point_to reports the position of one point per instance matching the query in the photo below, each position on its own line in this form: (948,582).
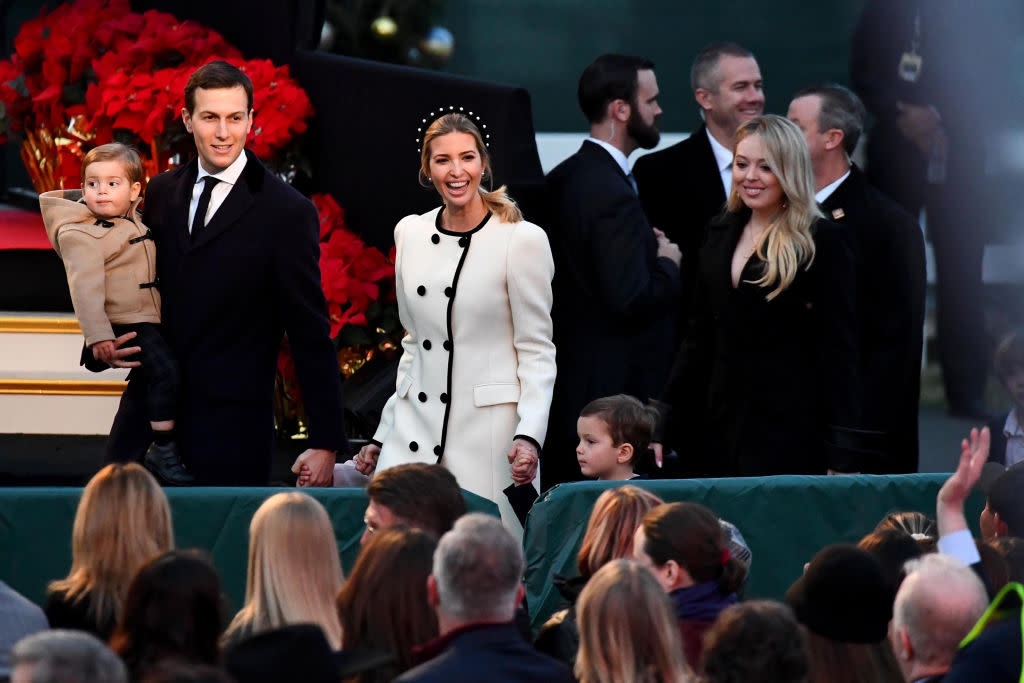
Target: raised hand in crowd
(949,508)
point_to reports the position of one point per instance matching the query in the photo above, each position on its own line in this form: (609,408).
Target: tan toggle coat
(105,269)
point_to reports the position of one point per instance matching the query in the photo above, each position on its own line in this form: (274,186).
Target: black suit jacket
(229,296)
(888,251)
(496,653)
(614,298)
(768,387)
(681,190)
(994,656)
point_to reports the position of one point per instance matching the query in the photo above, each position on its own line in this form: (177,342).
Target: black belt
(149,285)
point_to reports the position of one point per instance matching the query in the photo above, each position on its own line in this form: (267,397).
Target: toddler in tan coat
(110,259)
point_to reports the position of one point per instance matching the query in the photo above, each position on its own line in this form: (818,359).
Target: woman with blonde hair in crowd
(123,521)
(766,379)
(609,536)
(383,606)
(627,631)
(294,569)
(473,281)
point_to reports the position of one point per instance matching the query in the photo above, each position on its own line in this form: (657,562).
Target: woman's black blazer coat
(768,387)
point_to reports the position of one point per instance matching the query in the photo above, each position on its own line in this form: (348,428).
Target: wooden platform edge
(61,387)
(24,324)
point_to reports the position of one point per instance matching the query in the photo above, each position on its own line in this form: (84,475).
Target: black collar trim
(445,231)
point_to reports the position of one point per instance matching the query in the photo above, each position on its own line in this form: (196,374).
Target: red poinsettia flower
(351,273)
(28,44)
(129,70)
(281,106)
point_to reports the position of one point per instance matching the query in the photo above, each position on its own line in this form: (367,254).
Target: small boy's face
(596,453)
(106,189)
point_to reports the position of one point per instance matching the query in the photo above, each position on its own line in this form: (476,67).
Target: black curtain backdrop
(33,280)
(268,29)
(362,142)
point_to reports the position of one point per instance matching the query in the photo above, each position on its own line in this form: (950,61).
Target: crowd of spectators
(437,595)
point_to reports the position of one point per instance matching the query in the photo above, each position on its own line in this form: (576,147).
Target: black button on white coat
(436,239)
(427,344)
(437,450)
(413,446)
(421,290)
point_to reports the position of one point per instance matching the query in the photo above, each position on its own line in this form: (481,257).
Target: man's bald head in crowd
(936,606)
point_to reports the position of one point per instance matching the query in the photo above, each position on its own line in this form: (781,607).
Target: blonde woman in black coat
(766,380)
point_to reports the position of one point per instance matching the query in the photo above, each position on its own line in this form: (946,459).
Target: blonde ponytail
(501,205)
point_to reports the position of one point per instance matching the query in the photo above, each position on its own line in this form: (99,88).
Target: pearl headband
(426,122)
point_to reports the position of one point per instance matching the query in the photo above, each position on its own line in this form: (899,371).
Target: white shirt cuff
(960,544)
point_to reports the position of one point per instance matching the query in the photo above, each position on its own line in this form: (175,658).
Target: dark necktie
(632,181)
(204,204)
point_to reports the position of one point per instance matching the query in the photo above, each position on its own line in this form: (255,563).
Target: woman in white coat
(473,281)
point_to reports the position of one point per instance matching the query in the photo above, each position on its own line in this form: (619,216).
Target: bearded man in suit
(616,286)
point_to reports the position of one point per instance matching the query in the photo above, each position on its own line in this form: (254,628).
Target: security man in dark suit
(616,286)
(940,79)
(888,251)
(237,257)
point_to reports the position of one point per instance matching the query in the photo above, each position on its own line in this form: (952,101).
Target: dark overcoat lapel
(184,184)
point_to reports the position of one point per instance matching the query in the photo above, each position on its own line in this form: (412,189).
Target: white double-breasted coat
(478,363)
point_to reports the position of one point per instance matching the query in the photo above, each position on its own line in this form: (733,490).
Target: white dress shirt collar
(826,192)
(723,160)
(621,159)
(229,175)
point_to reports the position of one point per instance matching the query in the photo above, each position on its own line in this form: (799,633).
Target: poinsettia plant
(358,280)
(93,71)
(359,284)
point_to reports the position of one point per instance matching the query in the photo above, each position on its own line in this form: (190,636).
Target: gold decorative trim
(32,325)
(61,387)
